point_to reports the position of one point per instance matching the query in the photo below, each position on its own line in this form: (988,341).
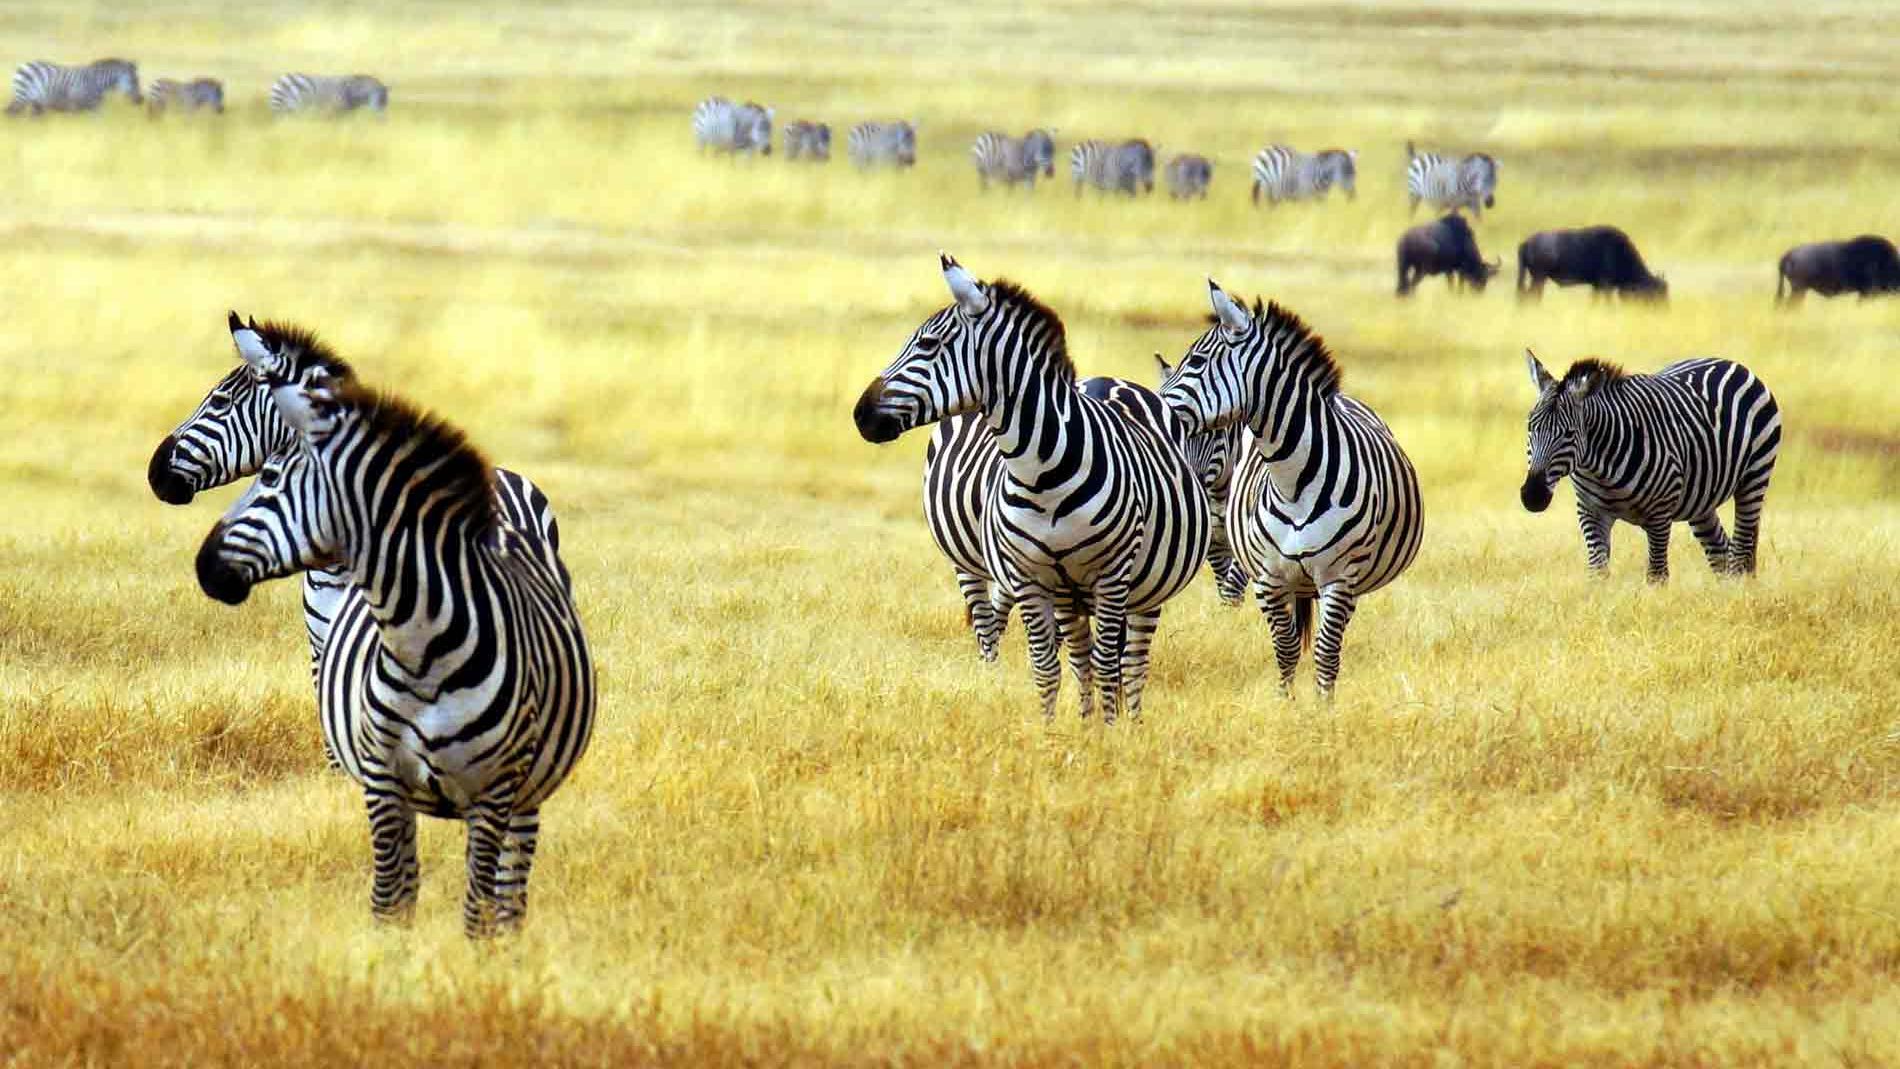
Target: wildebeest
(1188,176)
(1446,247)
(1601,257)
(1865,265)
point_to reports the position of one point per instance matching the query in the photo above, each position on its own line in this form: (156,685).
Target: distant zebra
(1466,183)
(476,691)
(332,93)
(1653,450)
(1098,514)
(733,129)
(199,93)
(237,428)
(1214,454)
(1127,167)
(1282,173)
(41,86)
(890,144)
(1001,158)
(1039,152)
(807,141)
(1325,504)
(1189,176)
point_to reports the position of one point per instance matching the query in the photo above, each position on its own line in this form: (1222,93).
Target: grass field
(1549,820)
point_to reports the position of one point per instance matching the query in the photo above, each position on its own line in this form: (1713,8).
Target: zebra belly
(1302,555)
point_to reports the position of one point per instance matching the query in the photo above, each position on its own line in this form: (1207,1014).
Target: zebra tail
(1303,623)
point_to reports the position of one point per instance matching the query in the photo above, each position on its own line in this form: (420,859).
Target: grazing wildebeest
(1601,257)
(1865,265)
(1446,247)
(1188,176)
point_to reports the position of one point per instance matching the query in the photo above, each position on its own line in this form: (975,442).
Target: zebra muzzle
(166,484)
(1535,493)
(216,577)
(875,425)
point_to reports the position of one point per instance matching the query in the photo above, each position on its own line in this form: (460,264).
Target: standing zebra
(892,144)
(475,696)
(1214,455)
(200,93)
(332,93)
(1283,173)
(1449,183)
(237,428)
(722,126)
(1127,167)
(1098,514)
(1189,176)
(1001,157)
(41,86)
(807,140)
(1653,450)
(1325,506)
(1039,152)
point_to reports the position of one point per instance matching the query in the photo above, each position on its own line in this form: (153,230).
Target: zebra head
(1554,420)
(1212,456)
(1205,391)
(1207,452)
(935,375)
(237,426)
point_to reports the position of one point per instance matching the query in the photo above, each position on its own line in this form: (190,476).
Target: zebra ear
(1540,379)
(1232,316)
(312,409)
(252,346)
(968,292)
(1162,366)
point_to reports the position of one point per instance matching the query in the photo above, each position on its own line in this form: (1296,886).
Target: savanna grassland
(1548,820)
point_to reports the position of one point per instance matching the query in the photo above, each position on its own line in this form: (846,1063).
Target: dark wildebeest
(1601,257)
(1189,176)
(1865,265)
(1446,247)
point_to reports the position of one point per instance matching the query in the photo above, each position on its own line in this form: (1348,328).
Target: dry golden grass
(1549,820)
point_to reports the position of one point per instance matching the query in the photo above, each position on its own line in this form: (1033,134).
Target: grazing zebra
(237,427)
(1188,176)
(167,94)
(1098,514)
(1446,183)
(1128,167)
(41,86)
(1325,505)
(1282,173)
(1214,454)
(722,126)
(1001,157)
(474,692)
(1653,450)
(806,140)
(892,144)
(332,93)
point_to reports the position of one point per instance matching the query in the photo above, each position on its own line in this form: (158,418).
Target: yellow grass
(1550,820)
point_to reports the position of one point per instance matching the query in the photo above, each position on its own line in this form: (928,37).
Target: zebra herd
(1086,504)
(40,87)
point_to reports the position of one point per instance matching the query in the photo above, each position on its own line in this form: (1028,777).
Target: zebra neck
(1290,428)
(1037,417)
(425,583)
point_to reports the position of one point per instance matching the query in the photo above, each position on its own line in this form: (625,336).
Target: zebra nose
(1535,493)
(875,426)
(165,483)
(216,578)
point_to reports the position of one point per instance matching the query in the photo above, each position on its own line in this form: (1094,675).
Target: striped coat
(292,93)
(41,86)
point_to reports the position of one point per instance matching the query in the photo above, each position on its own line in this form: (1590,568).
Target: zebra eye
(219,402)
(270,477)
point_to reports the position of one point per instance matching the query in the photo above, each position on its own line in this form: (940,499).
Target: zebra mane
(1590,374)
(1300,345)
(303,347)
(459,470)
(1056,338)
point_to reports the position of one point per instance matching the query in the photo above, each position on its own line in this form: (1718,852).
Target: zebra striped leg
(980,614)
(487,834)
(1135,653)
(1658,532)
(1708,531)
(1039,626)
(1229,582)
(1111,616)
(1278,606)
(1336,605)
(1741,547)
(392,838)
(517,861)
(1596,537)
(1073,625)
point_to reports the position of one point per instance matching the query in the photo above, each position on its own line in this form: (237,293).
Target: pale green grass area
(1549,820)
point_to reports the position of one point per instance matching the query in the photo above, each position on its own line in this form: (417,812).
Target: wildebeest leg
(1708,531)
(1596,537)
(1658,533)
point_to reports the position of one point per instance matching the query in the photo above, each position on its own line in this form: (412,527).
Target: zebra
(40,86)
(333,93)
(474,692)
(1039,152)
(1653,450)
(237,427)
(1003,158)
(806,140)
(1283,173)
(1097,515)
(1127,167)
(1466,183)
(199,93)
(722,126)
(1188,176)
(1213,455)
(873,144)
(1325,504)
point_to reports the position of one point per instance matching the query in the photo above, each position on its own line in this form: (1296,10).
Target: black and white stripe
(883,144)
(1124,167)
(1655,450)
(1098,516)
(1214,455)
(734,129)
(168,94)
(475,697)
(806,140)
(963,469)
(1000,157)
(41,86)
(327,93)
(1325,505)
(1471,182)
(1284,173)
(1189,176)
